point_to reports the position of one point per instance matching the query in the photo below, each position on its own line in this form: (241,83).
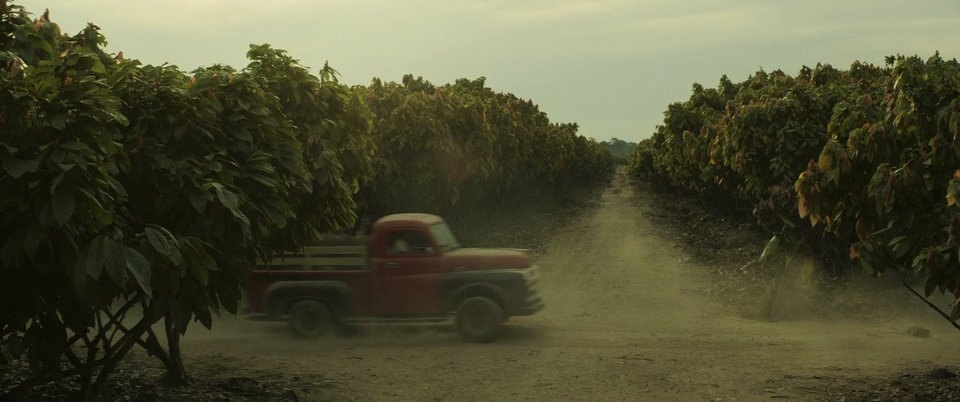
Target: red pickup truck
(409,270)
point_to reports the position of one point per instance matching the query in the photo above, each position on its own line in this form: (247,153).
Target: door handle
(391,264)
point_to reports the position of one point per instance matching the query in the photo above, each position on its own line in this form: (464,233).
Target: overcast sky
(611,66)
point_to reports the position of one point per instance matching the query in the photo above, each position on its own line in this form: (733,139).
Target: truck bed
(339,261)
(319,258)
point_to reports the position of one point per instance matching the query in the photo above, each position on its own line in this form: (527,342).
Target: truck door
(407,278)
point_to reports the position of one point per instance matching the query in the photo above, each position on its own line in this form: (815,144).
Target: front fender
(492,291)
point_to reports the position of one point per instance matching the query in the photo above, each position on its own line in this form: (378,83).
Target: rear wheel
(310,318)
(479,319)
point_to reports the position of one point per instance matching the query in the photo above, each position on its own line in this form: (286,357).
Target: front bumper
(532,303)
(531,307)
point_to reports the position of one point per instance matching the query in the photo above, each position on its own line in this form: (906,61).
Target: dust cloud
(627,317)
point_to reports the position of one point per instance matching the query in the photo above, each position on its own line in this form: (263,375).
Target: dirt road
(625,320)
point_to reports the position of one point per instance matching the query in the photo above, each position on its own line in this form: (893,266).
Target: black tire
(479,319)
(310,319)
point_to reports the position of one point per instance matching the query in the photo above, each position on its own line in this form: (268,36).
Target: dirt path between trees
(626,319)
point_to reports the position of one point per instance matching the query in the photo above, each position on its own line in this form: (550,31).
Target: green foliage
(333,126)
(867,157)
(640,162)
(887,176)
(620,149)
(127,184)
(446,148)
(62,252)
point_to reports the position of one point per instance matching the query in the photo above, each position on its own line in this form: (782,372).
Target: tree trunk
(176,374)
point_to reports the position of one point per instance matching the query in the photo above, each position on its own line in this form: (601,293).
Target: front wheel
(310,318)
(479,319)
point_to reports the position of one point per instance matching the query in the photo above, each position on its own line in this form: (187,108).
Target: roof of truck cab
(419,218)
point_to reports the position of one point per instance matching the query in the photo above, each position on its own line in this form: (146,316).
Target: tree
(453,147)
(887,180)
(619,148)
(860,163)
(143,186)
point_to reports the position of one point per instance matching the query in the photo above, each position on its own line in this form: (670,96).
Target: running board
(406,321)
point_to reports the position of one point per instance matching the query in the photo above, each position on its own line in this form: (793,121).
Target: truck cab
(410,269)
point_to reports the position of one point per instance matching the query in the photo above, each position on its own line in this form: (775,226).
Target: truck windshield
(444,237)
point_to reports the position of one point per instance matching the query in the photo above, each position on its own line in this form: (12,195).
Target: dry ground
(629,317)
(638,308)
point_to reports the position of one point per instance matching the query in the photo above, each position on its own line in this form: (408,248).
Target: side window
(407,242)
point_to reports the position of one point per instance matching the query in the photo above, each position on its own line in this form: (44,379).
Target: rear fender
(281,296)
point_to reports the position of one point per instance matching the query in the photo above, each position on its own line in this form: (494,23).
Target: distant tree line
(620,149)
